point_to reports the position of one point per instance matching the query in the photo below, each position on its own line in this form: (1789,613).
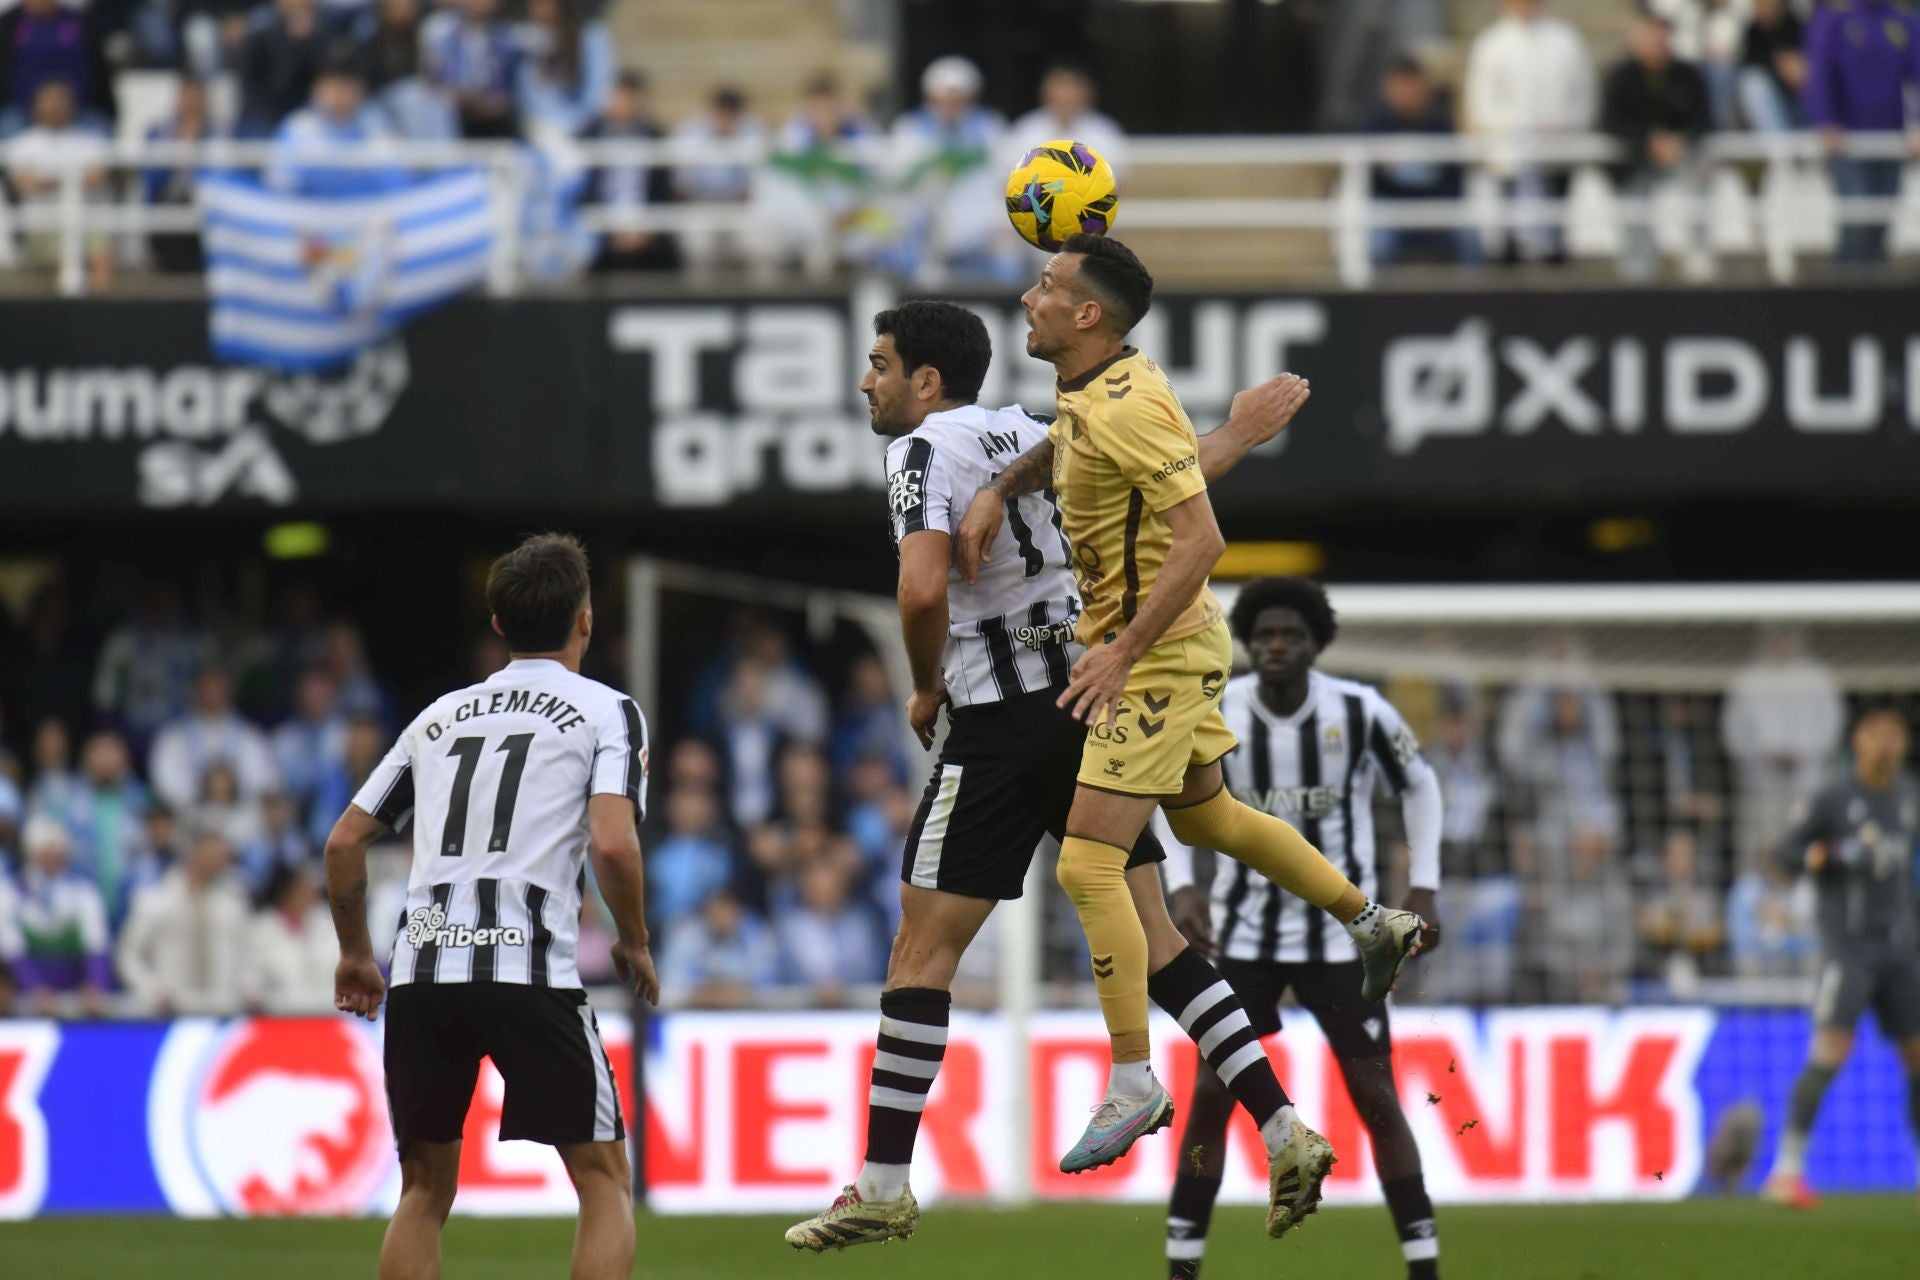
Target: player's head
(926,356)
(1880,739)
(538,594)
(1094,288)
(1284,624)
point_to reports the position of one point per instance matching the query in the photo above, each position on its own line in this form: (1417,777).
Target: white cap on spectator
(43,832)
(951,74)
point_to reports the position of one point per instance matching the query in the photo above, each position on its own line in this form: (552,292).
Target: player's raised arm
(1029,473)
(1258,415)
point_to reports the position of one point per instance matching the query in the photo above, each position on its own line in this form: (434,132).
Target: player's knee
(598,1166)
(1085,874)
(429,1181)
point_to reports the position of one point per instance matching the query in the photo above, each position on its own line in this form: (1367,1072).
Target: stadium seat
(1593,216)
(1732,224)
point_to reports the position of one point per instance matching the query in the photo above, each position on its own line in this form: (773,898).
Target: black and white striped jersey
(1316,769)
(1009,633)
(496,779)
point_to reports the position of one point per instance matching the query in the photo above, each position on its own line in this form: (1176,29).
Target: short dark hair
(633,80)
(1302,595)
(728,98)
(945,335)
(1115,273)
(1405,64)
(1874,708)
(536,589)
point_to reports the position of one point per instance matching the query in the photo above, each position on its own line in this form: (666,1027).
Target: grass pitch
(1867,1238)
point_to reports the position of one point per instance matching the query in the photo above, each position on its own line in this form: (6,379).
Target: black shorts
(1005,778)
(1883,979)
(544,1040)
(1330,992)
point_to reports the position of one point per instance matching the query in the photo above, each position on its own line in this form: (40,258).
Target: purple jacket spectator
(41,41)
(1857,68)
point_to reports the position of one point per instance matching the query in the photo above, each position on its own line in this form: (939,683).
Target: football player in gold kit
(1122,460)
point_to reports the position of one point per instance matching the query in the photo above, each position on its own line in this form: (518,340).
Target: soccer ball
(1061,189)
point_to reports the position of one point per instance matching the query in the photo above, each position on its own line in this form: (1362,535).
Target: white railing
(1782,219)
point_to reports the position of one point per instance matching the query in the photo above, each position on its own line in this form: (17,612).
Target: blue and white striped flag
(308,282)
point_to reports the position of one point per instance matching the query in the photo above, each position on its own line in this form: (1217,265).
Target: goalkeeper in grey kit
(1856,839)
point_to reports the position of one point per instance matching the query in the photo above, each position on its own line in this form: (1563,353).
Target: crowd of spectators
(161,823)
(1691,67)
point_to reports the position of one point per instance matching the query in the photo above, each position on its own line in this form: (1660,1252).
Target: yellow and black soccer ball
(1061,189)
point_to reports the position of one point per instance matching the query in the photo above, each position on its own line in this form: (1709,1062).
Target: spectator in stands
(1659,109)
(103,817)
(337,121)
(388,38)
(1863,59)
(366,742)
(472,56)
(343,656)
(567,72)
(1780,724)
(145,673)
(1466,780)
(1412,103)
(1770,922)
(63,926)
(313,740)
(1558,741)
(1707,36)
(726,122)
(624,187)
(766,704)
(13,811)
(1773,68)
(184,947)
(211,733)
(39,159)
(280,842)
(12,945)
(157,854)
(44,42)
(1066,110)
(1529,79)
(952,148)
(223,808)
(817,195)
(827,942)
(56,788)
(868,725)
(693,861)
(721,958)
(1680,923)
(878,814)
(291,950)
(1583,942)
(173,186)
(280,59)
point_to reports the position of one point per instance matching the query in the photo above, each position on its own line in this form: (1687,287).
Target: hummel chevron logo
(1121,394)
(1120,378)
(1103,966)
(1156,705)
(1150,727)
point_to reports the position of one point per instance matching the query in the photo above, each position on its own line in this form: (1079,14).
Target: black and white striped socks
(1192,991)
(913,1039)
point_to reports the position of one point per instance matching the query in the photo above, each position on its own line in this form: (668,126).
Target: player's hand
(1192,918)
(1263,412)
(923,713)
(978,528)
(1817,856)
(1099,683)
(1425,903)
(358,987)
(634,963)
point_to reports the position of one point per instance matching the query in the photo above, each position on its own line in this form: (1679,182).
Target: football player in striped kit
(1314,748)
(511,784)
(998,653)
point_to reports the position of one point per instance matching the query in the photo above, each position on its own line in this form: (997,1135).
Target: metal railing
(1346,209)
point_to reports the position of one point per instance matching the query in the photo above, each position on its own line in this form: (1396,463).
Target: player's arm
(1258,415)
(358,987)
(1029,473)
(1100,677)
(1420,812)
(922,596)
(1804,847)
(613,838)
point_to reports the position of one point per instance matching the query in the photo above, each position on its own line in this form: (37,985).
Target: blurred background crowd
(171,769)
(853,166)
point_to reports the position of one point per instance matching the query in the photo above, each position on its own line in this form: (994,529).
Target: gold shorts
(1168,722)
